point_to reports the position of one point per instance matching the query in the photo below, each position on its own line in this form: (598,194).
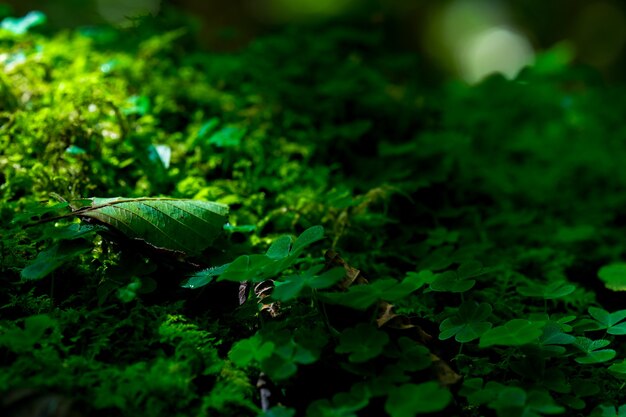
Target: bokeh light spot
(474,38)
(494,50)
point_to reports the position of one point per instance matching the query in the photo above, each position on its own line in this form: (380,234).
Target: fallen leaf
(353,275)
(444,373)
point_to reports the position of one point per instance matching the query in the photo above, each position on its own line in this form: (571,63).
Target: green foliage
(35,327)
(472,222)
(277,352)
(51,259)
(83,350)
(280,256)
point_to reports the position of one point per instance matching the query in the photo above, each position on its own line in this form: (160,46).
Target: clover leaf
(509,400)
(614,276)
(459,280)
(609,411)
(361,297)
(250,268)
(611,322)
(513,333)
(516,401)
(593,349)
(288,349)
(290,287)
(618,369)
(388,378)
(363,342)
(553,337)
(411,399)
(555,380)
(280,366)
(343,404)
(547,291)
(309,236)
(468,323)
(281,255)
(412,356)
(420,278)
(247,351)
(279,248)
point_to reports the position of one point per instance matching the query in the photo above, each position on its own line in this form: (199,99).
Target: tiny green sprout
(468,323)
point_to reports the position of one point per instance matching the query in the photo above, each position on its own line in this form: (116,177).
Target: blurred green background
(464,39)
